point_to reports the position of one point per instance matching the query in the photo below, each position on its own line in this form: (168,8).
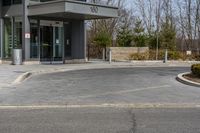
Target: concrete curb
(22,77)
(183,80)
(27,75)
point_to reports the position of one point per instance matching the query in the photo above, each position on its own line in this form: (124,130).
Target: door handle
(67,42)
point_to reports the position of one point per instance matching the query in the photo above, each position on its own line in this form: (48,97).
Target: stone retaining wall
(123,53)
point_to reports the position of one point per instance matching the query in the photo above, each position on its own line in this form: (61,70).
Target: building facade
(48,30)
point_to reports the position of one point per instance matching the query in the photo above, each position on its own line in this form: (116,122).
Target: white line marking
(107,105)
(125,91)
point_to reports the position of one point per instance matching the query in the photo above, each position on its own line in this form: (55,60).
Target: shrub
(197,57)
(152,55)
(139,56)
(174,55)
(196,69)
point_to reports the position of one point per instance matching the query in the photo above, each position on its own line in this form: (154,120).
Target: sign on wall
(94,9)
(27,35)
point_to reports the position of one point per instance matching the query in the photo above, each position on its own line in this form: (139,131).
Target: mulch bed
(192,78)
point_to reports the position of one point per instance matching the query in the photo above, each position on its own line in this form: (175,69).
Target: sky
(129,3)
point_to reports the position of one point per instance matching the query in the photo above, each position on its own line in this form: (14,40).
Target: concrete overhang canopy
(69,9)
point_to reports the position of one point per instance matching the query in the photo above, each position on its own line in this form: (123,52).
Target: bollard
(110,56)
(104,54)
(166,56)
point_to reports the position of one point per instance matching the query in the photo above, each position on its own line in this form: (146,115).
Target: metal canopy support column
(85,40)
(1,38)
(63,43)
(39,42)
(26,31)
(1,31)
(78,39)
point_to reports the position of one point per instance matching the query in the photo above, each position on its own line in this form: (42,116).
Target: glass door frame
(54,26)
(58,42)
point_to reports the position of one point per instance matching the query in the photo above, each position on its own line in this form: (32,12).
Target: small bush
(197,57)
(172,55)
(139,56)
(152,55)
(196,69)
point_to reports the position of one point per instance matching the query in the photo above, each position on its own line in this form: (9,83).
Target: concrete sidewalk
(10,73)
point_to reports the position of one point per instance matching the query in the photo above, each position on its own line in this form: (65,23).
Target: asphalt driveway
(100,86)
(100,120)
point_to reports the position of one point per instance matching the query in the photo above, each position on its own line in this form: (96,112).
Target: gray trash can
(17,57)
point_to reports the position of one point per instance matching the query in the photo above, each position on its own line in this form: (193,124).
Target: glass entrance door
(58,43)
(46,33)
(51,50)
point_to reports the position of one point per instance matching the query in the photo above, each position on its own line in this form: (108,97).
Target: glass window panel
(7,45)
(18,35)
(34,40)
(58,44)
(17,1)
(8,38)
(10,2)
(6,2)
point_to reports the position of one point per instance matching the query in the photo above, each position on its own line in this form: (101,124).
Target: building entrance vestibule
(48,31)
(51,42)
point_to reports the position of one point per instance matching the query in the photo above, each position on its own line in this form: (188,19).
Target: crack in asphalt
(134,123)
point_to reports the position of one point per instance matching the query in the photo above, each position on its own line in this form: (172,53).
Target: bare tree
(181,23)
(189,27)
(183,15)
(145,10)
(197,25)
(189,22)
(158,17)
(110,25)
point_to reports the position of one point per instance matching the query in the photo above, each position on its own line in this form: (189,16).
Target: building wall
(77,36)
(0,7)
(25,29)
(13,10)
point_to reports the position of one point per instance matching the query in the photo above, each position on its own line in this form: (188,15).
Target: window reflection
(10,2)
(7,38)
